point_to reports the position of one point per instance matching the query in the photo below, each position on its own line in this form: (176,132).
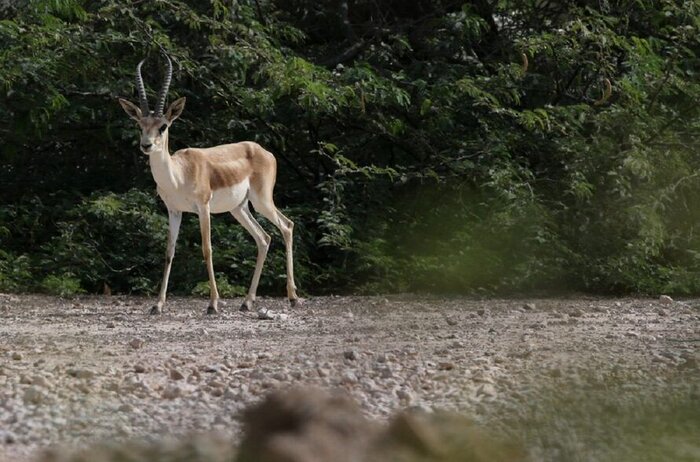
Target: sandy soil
(99,368)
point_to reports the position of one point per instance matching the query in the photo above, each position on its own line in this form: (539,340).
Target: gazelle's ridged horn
(164,90)
(143,100)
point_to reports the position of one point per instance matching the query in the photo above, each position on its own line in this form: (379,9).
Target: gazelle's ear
(131,109)
(175,109)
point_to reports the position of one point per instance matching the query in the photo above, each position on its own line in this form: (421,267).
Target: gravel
(100,369)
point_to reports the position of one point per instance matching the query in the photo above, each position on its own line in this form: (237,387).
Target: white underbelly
(222,200)
(227,199)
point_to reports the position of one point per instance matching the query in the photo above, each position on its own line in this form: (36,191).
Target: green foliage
(62,285)
(225,288)
(415,150)
(15,273)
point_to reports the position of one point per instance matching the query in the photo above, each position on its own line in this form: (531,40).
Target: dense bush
(422,145)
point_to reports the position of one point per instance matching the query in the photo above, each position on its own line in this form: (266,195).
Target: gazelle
(209,180)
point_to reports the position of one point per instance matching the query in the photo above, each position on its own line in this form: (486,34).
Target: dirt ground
(76,371)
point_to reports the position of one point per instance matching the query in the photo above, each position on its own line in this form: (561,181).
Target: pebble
(217,392)
(139,368)
(529,307)
(33,395)
(136,343)
(126,407)
(446,366)
(486,390)
(386,372)
(350,354)
(81,373)
(265,314)
(172,392)
(281,376)
(349,378)
(665,300)
(17,356)
(176,375)
(405,396)
(7,437)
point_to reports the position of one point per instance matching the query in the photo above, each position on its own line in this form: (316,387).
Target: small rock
(487,390)
(136,343)
(281,376)
(7,437)
(139,368)
(40,381)
(33,395)
(577,313)
(217,392)
(213,368)
(481,311)
(529,306)
(405,396)
(350,354)
(386,373)
(348,378)
(111,325)
(446,366)
(81,373)
(666,300)
(264,313)
(172,392)
(126,407)
(17,356)
(176,375)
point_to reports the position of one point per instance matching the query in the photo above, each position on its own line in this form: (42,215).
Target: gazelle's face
(154,128)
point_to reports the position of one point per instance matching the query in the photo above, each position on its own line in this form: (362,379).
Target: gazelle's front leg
(205,227)
(174,220)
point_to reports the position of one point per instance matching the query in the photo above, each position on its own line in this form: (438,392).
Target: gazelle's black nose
(146,147)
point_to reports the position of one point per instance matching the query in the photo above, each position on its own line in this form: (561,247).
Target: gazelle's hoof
(296,302)
(245,306)
(212,310)
(155,310)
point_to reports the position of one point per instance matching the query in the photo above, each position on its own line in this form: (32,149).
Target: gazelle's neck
(163,168)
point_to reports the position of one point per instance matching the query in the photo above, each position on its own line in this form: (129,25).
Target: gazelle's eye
(162,128)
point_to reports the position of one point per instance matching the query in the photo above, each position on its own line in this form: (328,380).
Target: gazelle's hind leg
(262,239)
(264,205)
